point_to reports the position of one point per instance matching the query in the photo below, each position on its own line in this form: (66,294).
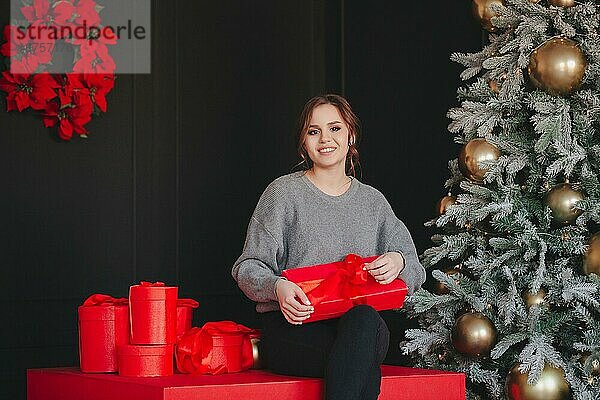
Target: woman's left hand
(386,267)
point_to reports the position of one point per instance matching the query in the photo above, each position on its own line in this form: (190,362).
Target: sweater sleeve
(394,236)
(260,264)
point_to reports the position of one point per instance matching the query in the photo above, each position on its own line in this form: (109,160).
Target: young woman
(315,216)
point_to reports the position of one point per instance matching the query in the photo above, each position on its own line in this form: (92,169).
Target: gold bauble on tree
(474,152)
(534,299)
(595,364)
(591,260)
(561,199)
(561,3)
(482,11)
(444,202)
(473,335)
(439,287)
(551,385)
(557,66)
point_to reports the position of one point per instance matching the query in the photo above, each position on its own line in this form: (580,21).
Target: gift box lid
(145,350)
(191,303)
(101,313)
(227,339)
(154,291)
(317,272)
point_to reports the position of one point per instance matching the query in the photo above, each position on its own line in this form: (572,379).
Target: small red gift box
(103,325)
(146,361)
(216,348)
(185,309)
(335,288)
(153,313)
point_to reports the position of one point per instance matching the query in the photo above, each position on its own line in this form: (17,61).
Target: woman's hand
(386,267)
(294,311)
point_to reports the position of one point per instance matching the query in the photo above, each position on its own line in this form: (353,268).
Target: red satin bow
(187,303)
(104,300)
(144,283)
(194,350)
(346,282)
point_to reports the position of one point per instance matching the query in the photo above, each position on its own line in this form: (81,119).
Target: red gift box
(153,313)
(216,348)
(335,288)
(146,361)
(185,309)
(103,325)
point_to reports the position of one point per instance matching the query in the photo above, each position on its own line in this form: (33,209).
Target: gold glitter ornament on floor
(551,385)
(557,66)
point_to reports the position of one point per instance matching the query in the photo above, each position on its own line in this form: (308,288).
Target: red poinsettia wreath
(68,99)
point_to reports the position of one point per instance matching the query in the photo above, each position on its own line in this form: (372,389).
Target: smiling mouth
(327,150)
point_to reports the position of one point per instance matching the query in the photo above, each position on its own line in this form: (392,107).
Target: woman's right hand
(288,294)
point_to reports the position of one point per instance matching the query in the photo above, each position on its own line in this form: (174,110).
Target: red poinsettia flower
(29,47)
(71,113)
(87,13)
(38,12)
(96,37)
(97,85)
(96,62)
(25,91)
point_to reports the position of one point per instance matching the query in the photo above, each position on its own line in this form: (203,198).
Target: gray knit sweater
(295,224)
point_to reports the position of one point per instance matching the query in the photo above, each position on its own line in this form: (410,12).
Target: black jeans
(347,351)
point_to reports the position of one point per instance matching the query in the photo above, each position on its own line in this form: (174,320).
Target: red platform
(398,383)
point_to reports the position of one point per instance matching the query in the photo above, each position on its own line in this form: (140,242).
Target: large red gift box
(153,313)
(103,325)
(335,288)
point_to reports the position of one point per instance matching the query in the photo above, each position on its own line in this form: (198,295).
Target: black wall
(164,187)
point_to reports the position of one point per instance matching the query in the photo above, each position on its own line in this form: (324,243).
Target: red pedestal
(380,297)
(146,360)
(101,329)
(398,383)
(153,314)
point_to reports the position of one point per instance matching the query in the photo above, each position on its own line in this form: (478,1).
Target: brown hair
(350,119)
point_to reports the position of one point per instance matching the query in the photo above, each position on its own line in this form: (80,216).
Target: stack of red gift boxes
(133,336)
(141,335)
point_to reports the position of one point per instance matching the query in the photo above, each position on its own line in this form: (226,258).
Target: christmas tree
(515,302)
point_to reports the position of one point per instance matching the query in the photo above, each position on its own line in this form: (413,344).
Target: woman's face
(326,141)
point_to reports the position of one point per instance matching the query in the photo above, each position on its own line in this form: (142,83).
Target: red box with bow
(216,348)
(153,313)
(185,309)
(103,325)
(335,288)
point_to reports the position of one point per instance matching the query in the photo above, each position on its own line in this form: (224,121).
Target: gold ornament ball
(473,334)
(534,299)
(257,364)
(557,66)
(439,287)
(483,12)
(591,261)
(595,364)
(474,152)
(561,199)
(551,385)
(444,202)
(561,3)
